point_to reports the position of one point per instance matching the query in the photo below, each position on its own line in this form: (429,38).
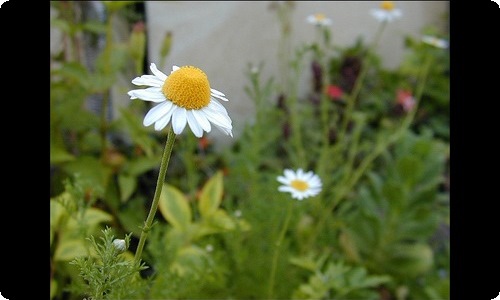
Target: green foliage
(377,230)
(337,280)
(109,275)
(397,211)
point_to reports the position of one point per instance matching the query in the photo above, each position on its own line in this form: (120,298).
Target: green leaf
(59,155)
(57,211)
(127,186)
(91,169)
(410,169)
(53,288)
(93,216)
(395,194)
(132,215)
(189,259)
(91,219)
(174,207)
(211,195)
(61,24)
(67,250)
(95,27)
(410,260)
(140,165)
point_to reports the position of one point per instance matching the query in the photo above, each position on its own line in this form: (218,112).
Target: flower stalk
(156,198)
(277,248)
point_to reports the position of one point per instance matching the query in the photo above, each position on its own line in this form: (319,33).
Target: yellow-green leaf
(127,186)
(174,207)
(53,288)
(211,195)
(69,249)
(189,259)
(91,218)
(59,155)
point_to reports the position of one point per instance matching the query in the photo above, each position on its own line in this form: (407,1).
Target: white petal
(216,109)
(283,180)
(193,124)
(220,97)
(202,120)
(163,121)
(290,174)
(217,118)
(155,113)
(216,92)
(147,94)
(286,188)
(225,130)
(174,68)
(157,72)
(179,120)
(150,80)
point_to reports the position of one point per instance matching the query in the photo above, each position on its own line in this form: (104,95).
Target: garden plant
(339,194)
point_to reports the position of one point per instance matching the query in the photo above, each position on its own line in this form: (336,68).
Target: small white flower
(237,213)
(185,97)
(434,41)
(120,245)
(301,185)
(319,20)
(209,248)
(386,12)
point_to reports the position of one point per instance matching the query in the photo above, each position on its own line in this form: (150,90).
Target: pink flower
(406,100)
(334,92)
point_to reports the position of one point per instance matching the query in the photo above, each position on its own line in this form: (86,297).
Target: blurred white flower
(185,97)
(319,20)
(386,12)
(301,185)
(434,41)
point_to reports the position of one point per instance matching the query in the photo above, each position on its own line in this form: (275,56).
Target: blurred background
(223,37)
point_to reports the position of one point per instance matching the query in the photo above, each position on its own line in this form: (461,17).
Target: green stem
(107,70)
(159,185)
(351,101)
(277,248)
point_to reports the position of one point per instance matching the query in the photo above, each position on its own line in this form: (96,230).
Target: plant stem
(351,101)
(105,94)
(159,185)
(277,248)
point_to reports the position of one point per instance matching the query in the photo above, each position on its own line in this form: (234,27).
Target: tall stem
(351,101)
(159,185)
(105,96)
(277,250)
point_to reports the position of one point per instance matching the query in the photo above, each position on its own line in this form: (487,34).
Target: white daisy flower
(386,12)
(319,20)
(185,97)
(301,185)
(434,41)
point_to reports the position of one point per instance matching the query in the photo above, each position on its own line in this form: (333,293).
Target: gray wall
(223,37)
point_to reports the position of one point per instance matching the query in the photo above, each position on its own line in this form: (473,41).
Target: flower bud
(120,245)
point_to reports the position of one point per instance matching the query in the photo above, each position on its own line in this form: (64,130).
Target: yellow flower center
(387,5)
(319,17)
(299,185)
(187,87)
